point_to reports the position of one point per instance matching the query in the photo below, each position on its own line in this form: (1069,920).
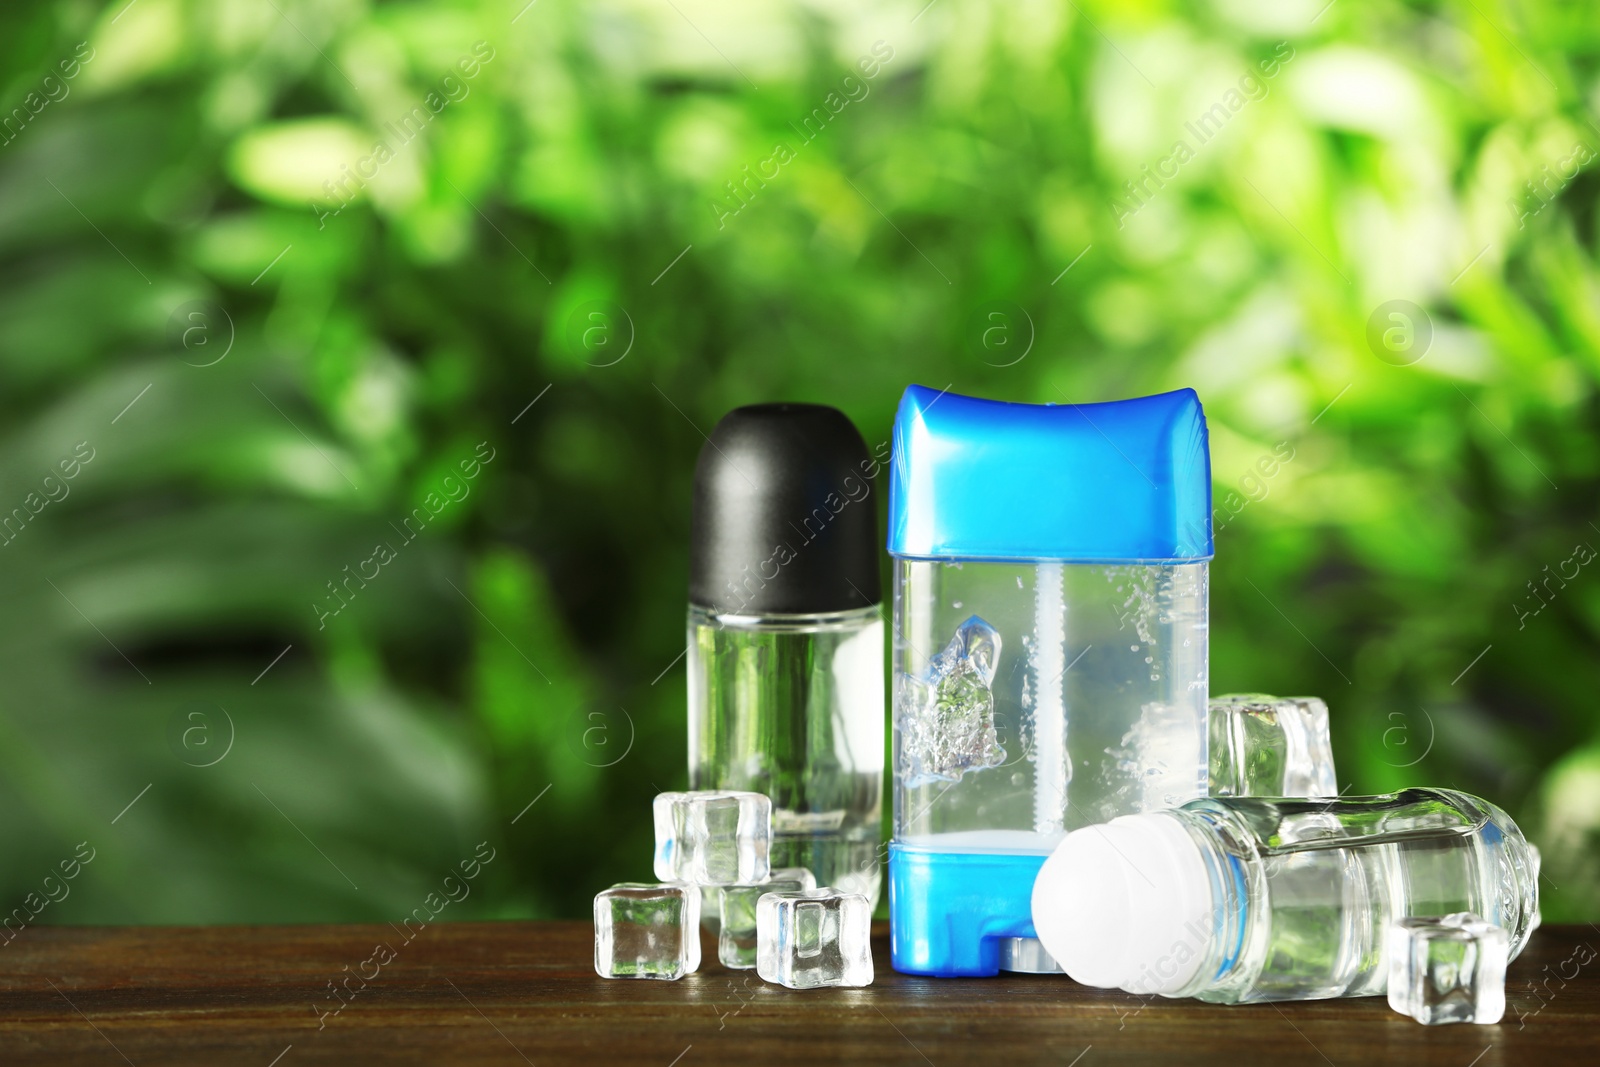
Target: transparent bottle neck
(832,621)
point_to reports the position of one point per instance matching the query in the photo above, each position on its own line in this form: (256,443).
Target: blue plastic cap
(1123,482)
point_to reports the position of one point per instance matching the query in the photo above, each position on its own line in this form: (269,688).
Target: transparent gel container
(1049,654)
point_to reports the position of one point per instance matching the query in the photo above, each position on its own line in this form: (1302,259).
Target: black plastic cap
(784,521)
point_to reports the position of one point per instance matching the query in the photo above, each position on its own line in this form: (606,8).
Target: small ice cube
(1265,746)
(810,939)
(647,931)
(736,943)
(1448,970)
(946,715)
(713,837)
(1536,862)
(711,909)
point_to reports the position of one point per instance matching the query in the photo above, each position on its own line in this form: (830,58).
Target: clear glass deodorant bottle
(1240,900)
(786,639)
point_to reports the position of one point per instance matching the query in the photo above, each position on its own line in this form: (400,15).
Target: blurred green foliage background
(280,343)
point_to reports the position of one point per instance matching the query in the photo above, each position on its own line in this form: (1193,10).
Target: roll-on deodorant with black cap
(786,639)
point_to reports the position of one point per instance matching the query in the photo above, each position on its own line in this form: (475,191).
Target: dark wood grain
(514,993)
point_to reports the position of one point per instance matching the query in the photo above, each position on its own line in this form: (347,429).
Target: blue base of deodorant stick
(949,912)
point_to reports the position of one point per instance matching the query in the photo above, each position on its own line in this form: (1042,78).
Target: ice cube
(736,943)
(946,715)
(647,931)
(810,939)
(711,909)
(713,838)
(1265,746)
(1448,970)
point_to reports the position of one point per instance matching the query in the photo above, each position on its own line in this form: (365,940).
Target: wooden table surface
(521,992)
